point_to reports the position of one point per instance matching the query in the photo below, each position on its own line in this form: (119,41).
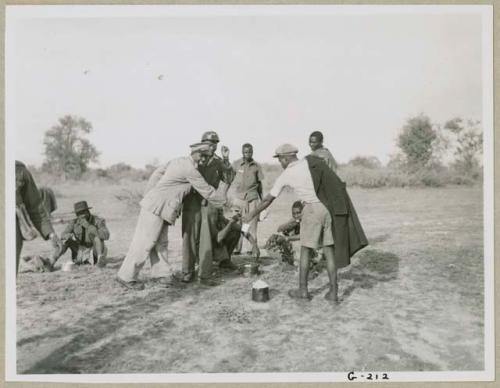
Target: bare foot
(332,296)
(299,294)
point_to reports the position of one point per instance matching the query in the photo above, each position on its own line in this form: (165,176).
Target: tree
(67,151)
(416,140)
(468,144)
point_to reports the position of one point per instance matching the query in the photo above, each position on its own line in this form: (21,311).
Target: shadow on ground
(367,269)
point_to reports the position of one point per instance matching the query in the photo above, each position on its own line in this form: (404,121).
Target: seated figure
(84,236)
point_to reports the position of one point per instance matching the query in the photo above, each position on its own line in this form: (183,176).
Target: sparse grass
(412,300)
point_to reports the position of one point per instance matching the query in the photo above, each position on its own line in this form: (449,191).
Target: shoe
(101,261)
(228,264)
(208,282)
(133,285)
(183,277)
(299,294)
(332,297)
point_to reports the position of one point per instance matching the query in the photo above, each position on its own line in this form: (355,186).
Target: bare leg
(59,252)
(331,268)
(302,292)
(99,252)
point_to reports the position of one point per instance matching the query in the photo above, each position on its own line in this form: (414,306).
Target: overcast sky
(150,86)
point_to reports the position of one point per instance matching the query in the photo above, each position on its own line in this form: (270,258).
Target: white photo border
(14,13)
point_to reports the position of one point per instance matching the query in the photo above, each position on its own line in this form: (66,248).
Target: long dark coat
(348,233)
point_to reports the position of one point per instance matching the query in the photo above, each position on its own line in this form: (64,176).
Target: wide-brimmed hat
(285,149)
(81,206)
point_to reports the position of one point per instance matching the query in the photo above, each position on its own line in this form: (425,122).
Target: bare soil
(412,300)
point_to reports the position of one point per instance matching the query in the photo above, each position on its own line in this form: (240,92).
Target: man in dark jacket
(85,236)
(29,211)
(326,218)
(199,219)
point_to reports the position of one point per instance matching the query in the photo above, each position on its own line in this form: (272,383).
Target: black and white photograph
(249,193)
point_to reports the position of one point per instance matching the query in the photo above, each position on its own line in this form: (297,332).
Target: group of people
(195,188)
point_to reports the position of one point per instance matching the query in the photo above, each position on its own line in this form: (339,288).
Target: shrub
(365,161)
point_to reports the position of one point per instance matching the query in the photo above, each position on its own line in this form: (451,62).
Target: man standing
(328,216)
(317,149)
(248,183)
(199,218)
(30,212)
(85,237)
(160,207)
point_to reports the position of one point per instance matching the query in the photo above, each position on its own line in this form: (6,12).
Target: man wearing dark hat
(160,207)
(85,236)
(328,217)
(199,219)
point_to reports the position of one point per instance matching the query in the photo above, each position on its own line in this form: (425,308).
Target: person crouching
(85,236)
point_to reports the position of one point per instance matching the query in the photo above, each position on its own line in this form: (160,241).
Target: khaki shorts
(316,226)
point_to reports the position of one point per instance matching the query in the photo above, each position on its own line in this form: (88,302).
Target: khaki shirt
(169,184)
(248,180)
(97,228)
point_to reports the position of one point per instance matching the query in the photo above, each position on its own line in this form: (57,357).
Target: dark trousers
(199,240)
(74,246)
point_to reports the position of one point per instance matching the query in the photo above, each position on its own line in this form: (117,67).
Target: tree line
(428,153)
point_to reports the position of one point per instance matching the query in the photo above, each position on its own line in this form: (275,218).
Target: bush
(363,176)
(365,161)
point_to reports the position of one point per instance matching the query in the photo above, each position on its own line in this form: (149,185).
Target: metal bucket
(260,291)
(249,269)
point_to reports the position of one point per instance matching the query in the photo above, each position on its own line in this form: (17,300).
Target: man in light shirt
(160,208)
(326,204)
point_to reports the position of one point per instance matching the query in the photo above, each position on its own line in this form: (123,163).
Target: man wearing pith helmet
(328,217)
(199,218)
(162,203)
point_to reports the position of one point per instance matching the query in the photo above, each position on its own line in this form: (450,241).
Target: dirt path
(412,300)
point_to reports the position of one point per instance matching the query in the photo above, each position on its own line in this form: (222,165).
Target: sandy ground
(412,300)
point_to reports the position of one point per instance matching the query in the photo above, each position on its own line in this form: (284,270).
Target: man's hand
(225,152)
(56,242)
(236,218)
(83,222)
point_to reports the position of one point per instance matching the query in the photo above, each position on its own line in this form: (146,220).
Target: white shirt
(298,177)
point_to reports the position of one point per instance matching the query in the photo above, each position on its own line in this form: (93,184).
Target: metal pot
(249,269)
(260,291)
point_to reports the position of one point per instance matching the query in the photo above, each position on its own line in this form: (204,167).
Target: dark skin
(83,219)
(247,154)
(315,143)
(236,220)
(297,216)
(305,252)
